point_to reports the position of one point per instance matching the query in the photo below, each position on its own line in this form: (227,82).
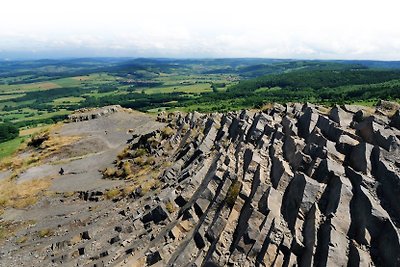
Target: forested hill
(323,85)
(318,79)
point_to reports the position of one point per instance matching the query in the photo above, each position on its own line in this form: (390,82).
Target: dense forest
(334,86)
(8,131)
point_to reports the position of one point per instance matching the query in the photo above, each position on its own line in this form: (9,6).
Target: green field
(52,98)
(67,100)
(180,88)
(45,92)
(9,147)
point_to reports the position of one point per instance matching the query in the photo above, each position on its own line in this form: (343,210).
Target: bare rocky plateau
(292,185)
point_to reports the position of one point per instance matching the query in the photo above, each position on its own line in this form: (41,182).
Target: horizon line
(188,58)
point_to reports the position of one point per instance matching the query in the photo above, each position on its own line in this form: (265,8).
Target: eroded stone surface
(285,187)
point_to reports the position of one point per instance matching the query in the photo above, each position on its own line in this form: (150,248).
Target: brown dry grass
(18,164)
(124,153)
(47,149)
(22,195)
(34,130)
(267,106)
(167,132)
(145,178)
(113,193)
(126,190)
(324,110)
(109,172)
(55,144)
(45,233)
(21,239)
(13,161)
(370,110)
(140,174)
(170,206)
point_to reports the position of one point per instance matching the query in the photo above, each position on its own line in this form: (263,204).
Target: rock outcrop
(289,186)
(85,114)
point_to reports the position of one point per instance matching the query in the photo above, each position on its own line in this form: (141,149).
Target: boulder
(156,215)
(343,118)
(360,157)
(395,120)
(307,121)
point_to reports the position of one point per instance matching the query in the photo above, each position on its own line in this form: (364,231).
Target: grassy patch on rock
(9,228)
(233,193)
(112,193)
(170,206)
(45,233)
(22,195)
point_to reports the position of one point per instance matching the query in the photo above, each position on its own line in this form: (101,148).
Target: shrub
(8,131)
(39,139)
(22,239)
(110,194)
(170,207)
(126,166)
(233,192)
(153,142)
(45,233)
(150,161)
(139,152)
(128,190)
(185,128)
(123,154)
(109,172)
(139,161)
(167,132)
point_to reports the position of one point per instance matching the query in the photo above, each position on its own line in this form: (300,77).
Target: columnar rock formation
(294,185)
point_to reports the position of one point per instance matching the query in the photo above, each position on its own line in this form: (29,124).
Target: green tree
(8,131)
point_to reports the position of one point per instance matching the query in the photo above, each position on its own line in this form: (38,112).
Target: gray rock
(307,121)
(340,116)
(360,157)
(288,186)
(156,215)
(395,120)
(377,134)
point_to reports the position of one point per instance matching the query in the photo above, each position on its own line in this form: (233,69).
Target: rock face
(289,186)
(85,114)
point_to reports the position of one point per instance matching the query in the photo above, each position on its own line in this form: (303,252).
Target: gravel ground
(102,139)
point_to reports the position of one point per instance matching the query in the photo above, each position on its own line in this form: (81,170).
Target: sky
(301,29)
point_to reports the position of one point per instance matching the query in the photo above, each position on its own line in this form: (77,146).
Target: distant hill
(375,64)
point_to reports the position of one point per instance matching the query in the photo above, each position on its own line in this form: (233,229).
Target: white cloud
(218,28)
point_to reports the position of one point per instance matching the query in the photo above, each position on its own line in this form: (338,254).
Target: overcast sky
(327,29)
